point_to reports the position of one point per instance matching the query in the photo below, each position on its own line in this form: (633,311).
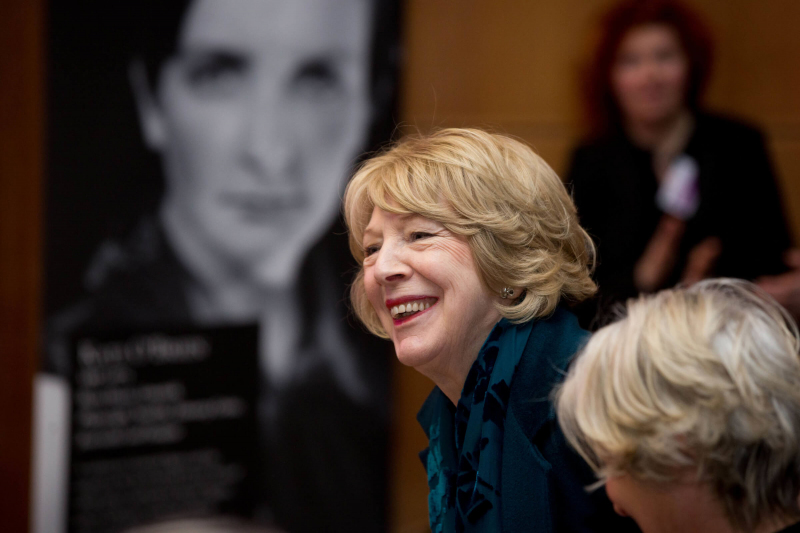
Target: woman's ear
(519,292)
(151,117)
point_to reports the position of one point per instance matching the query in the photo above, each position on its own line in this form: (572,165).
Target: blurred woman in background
(669,192)
(689,410)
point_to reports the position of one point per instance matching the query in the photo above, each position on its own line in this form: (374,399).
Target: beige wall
(512,65)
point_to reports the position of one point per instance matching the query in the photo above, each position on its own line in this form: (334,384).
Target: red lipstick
(392,302)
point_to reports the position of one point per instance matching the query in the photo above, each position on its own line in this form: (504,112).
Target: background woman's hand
(702,260)
(785,288)
(658,260)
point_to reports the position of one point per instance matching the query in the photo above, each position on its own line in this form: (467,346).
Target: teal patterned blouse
(497,461)
(464,457)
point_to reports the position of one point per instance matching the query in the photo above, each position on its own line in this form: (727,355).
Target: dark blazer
(542,479)
(614,188)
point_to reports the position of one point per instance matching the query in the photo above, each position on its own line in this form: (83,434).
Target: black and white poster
(196,156)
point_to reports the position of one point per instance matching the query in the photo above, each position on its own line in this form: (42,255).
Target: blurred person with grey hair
(688,409)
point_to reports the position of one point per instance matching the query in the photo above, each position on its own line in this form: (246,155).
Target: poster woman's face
(258,118)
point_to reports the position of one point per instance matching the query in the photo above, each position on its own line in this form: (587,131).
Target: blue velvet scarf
(464,459)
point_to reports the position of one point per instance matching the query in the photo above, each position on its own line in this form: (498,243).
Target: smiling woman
(469,244)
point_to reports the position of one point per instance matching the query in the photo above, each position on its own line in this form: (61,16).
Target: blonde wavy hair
(513,209)
(705,378)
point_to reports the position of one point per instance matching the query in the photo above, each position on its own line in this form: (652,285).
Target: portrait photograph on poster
(196,155)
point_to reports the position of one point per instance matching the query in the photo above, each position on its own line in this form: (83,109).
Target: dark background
(100,177)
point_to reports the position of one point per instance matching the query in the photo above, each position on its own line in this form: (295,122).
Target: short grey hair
(707,378)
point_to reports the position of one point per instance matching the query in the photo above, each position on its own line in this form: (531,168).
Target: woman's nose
(651,68)
(391,266)
(266,144)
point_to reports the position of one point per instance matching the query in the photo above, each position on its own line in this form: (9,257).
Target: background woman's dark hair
(602,111)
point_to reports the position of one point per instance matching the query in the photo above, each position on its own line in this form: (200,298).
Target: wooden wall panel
(786,151)
(409,494)
(512,65)
(20,193)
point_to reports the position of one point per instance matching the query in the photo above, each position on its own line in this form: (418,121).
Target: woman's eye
(215,74)
(417,235)
(369,250)
(664,56)
(316,78)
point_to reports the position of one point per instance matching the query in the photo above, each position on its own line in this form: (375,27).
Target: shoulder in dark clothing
(543,365)
(138,283)
(725,125)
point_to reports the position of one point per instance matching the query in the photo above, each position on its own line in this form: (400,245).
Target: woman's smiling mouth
(403,309)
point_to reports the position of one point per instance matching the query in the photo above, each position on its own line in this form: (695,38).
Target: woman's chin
(411,356)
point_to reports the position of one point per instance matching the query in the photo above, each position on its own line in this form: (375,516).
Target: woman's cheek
(373,291)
